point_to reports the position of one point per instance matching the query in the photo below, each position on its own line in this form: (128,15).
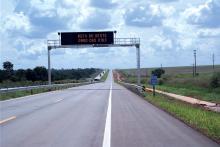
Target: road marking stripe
(107,133)
(8,119)
(58,100)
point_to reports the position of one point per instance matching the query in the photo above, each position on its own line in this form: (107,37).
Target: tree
(158,72)
(20,74)
(41,73)
(8,67)
(2,75)
(30,75)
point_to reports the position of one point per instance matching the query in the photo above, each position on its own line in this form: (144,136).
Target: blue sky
(169,31)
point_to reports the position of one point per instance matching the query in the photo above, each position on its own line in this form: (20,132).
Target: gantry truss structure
(118,42)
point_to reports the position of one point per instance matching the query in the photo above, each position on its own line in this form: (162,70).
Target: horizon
(1,68)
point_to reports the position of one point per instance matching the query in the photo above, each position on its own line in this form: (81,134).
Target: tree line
(39,73)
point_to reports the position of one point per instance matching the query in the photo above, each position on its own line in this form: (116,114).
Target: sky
(169,31)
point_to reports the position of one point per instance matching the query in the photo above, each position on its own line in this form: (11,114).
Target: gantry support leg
(138,64)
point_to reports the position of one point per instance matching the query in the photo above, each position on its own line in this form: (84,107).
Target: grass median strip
(104,77)
(207,122)
(16,94)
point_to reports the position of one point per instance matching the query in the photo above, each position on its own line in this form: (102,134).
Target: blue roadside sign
(153,80)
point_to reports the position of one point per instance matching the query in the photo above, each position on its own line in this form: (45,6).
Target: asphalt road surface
(97,115)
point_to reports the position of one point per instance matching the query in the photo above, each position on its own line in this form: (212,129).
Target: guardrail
(13,89)
(139,90)
(137,86)
(5,90)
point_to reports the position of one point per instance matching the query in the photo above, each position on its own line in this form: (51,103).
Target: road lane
(76,120)
(137,123)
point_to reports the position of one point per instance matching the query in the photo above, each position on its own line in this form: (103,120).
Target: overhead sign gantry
(92,39)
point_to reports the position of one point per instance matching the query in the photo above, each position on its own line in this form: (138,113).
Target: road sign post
(153,83)
(153,90)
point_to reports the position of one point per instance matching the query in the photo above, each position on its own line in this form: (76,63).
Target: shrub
(215,80)
(158,72)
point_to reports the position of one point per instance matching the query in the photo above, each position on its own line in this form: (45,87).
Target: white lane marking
(58,100)
(8,119)
(107,133)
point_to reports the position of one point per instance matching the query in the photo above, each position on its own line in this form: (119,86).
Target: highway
(97,115)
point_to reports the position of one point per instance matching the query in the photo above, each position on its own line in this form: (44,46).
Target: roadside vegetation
(38,75)
(15,94)
(205,121)
(204,86)
(104,77)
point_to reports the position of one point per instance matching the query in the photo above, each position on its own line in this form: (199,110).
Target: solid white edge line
(107,133)
(6,120)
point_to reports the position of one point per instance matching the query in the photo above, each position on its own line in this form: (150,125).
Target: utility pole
(161,66)
(193,70)
(213,61)
(195,62)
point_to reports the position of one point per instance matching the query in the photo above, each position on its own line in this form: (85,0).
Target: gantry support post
(49,70)
(138,64)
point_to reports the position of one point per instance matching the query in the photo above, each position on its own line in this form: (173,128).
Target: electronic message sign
(87,38)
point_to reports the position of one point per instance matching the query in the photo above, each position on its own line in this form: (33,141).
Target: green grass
(207,122)
(173,70)
(11,95)
(104,77)
(199,93)
(183,84)
(10,84)
(16,94)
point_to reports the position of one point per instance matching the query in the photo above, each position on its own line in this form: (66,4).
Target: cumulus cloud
(205,15)
(166,40)
(44,7)
(16,22)
(30,48)
(96,20)
(45,16)
(208,33)
(144,16)
(104,4)
(161,25)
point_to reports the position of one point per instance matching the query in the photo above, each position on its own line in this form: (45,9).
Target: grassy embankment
(10,84)
(179,80)
(15,94)
(207,122)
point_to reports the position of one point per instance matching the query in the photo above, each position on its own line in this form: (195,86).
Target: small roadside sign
(153,80)
(153,83)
